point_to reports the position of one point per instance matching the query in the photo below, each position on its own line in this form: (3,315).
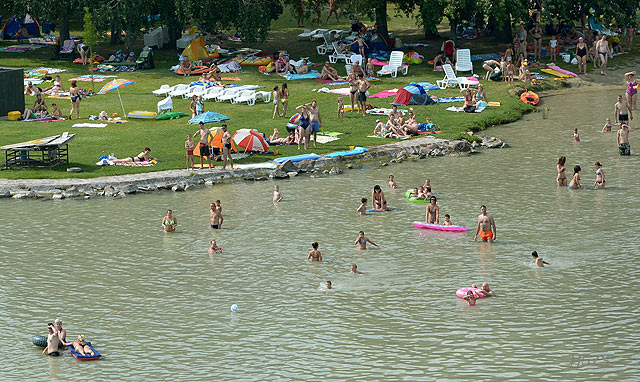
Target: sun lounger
(450,79)
(228,95)
(248,96)
(192,91)
(335,56)
(165,105)
(179,90)
(212,93)
(395,65)
(463,61)
(264,95)
(163,91)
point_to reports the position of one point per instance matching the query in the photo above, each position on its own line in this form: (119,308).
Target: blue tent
(13,24)
(413,94)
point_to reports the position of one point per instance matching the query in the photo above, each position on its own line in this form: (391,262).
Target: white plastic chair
(165,105)
(317,34)
(395,65)
(228,95)
(163,91)
(212,93)
(179,90)
(335,56)
(192,91)
(326,46)
(248,96)
(450,79)
(264,95)
(463,61)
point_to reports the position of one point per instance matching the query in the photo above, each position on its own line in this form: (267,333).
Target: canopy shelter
(46,152)
(12,25)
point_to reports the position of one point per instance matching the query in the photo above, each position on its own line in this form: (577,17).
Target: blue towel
(355,151)
(311,74)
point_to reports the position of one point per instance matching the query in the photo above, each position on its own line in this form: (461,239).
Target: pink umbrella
(250,139)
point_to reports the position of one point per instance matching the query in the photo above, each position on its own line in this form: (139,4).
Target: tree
(58,10)
(431,12)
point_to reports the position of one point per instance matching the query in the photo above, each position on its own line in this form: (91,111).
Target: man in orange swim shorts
(486,226)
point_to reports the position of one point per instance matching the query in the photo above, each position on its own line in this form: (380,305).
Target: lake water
(157,306)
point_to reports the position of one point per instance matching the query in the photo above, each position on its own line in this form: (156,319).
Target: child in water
(607,126)
(340,107)
(470,298)
(362,240)
(213,247)
(328,285)
(277,196)
(447,220)
(575,135)
(354,269)
(538,260)
(392,182)
(362,210)
(314,254)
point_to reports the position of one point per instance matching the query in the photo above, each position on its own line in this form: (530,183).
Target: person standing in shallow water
(622,139)
(169,222)
(562,176)
(600,181)
(486,226)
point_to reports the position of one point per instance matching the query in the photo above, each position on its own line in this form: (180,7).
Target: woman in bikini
(379,201)
(284,98)
(600,181)
(523,39)
(80,346)
(74,93)
(582,52)
(575,181)
(276,101)
(561,179)
(56,88)
(433,211)
(169,222)
(142,157)
(353,89)
(632,90)
(361,241)
(469,103)
(536,33)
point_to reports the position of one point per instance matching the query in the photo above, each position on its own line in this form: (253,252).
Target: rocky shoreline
(184,180)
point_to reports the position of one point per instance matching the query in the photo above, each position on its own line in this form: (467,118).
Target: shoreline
(185,180)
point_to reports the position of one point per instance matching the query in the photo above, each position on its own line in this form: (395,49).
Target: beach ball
(115,115)
(234,308)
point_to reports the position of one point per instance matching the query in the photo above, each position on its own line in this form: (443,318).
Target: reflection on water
(157,304)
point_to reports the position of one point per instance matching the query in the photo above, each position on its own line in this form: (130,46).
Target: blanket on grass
(290,77)
(459,109)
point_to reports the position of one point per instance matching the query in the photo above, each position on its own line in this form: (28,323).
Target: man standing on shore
(486,226)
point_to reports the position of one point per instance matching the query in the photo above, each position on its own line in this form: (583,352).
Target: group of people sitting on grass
(39,110)
(397,126)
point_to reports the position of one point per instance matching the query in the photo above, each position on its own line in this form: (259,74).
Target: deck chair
(193,90)
(67,49)
(179,90)
(463,61)
(450,79)
(212,93)
(335,56)
(326,46)
(228,94)
(317,34)
(264,95)
(248,96)
(165,105)
(395,65)
(163,91)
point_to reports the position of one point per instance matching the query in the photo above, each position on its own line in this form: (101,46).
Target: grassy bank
(166,138)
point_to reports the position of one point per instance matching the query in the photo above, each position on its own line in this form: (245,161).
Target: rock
(177,188)
(26,195)
(86,197)
(325,172)
(71,192)
(148,187)
(190,186)
(86,189)
(54,191)
(401,156)
(20,195)
(384,164)
(350,166)
(109,191)
(475,144)
(306,165)
(393,161)
(128,189)
(292,173)
(209,182)
(249,178)
(279,174)
(287,166)
(57,197)
(461,146)
(335,170)
(261,178)
(497,143)
(5,193)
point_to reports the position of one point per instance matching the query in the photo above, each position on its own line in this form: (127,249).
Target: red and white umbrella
(250,140)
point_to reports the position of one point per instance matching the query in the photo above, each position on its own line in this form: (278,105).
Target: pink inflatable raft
(450,228)
(477,292)
(559,69)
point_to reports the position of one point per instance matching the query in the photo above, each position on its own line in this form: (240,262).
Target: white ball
(234,308)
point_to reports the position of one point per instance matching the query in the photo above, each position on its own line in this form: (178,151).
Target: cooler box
(14,115)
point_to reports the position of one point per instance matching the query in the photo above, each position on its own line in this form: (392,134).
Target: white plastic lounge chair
(308,34)
(463,61)
(163,91)
(356,58)
(192,91)
(248,96)
(264,95)
(165,105)
(179,90)
(395,65)
(450,79)
(326,46)
(317,34)
(212,93)
(228,94)
(335,56)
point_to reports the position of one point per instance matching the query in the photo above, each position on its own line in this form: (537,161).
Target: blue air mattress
(298,158)
(355,151)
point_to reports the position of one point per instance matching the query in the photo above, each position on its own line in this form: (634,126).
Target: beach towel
(60,96)
(324,139)
(459,109)
(89,125)
(96,78)
(400,137)
(330,133)
(44,69)
(383,111)
(35,81)
(493,104)
(21,48)
(449,99)
(311,74)
(354,151)
(385,94)
(46,119)
(486,56)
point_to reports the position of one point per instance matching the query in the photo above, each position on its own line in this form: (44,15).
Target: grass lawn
(166,138)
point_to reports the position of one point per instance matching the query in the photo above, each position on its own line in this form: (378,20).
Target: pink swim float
(564,71)
(450,228)
(477,292)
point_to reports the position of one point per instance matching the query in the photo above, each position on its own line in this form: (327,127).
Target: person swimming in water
(392,182)
(539,261)
(433,212)
(277,196)
(328,285)
(354,269)
(314,254)
(486,226)
(600,181)
(215,216)
(362,240)
(486,290)
(362,210)
(379,201)
(213,247)
(169,222)
(575,180)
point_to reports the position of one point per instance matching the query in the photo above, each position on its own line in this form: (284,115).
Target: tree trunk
(454,25)
(503,32)
(115,34)
(128,42)
(381,20)
(63,21)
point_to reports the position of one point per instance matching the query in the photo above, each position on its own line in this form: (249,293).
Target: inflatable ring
(530,98)
(42,342)
(414,200)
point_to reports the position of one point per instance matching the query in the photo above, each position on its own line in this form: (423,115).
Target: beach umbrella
(116,85)
(250,139)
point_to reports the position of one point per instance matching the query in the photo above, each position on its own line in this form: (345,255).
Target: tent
(12,25)
(412,94)
(196,50)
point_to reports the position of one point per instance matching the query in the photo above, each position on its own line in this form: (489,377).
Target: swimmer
(486,226)
(328,285)
(362,210)
(487,290)
(447,220)
(314,254)
(562,177)
(575,135)
(607,126)
(427,183)
(169,222)
(213,247)
(392,182)
(539,261)
(428,193)
(379,201)
(362,240)
(421,195)
(277,196)
(433,212)
(414,193)
(600,181)
(81,346)
(62,333)
(470,298)
(575,181)
(354,269)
